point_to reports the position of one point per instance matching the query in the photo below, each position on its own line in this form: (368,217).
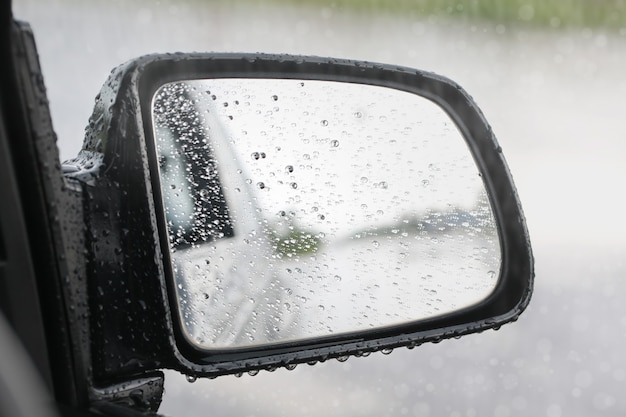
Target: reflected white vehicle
(229,291)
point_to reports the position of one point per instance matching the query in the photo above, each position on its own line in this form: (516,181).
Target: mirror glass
(298,209)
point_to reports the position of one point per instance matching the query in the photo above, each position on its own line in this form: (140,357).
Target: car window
(550,80)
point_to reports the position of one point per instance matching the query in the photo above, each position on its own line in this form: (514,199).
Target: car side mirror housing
(249,212)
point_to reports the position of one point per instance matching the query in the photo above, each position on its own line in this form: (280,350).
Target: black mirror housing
(135,327)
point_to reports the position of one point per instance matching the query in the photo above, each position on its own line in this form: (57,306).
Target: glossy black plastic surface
(122,133)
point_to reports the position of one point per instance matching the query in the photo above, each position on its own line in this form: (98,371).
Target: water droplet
(253,372)
(204,193)
(291,366)
(173,187)
(321,217)
(358,115)
(387,351)
(342,358)
(334,143)
(324,122)
(255,155)
(375,243)
(191,379)
(261,185)
(275,97)
(289,168)
(294,185)
(492,274)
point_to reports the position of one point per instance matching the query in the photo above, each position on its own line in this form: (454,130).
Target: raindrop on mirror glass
(324,122)
(334,143)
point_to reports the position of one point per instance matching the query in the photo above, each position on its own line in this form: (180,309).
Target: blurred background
(549,77)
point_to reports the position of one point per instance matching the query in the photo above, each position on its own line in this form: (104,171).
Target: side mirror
(265,211)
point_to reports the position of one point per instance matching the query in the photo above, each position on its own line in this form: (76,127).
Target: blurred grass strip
(546,13)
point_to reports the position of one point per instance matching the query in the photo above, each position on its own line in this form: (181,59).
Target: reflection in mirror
(301,209)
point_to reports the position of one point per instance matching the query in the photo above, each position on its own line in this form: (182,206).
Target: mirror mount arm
(129,325)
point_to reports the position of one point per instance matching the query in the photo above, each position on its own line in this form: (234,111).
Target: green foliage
(296,242)
(546,13)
